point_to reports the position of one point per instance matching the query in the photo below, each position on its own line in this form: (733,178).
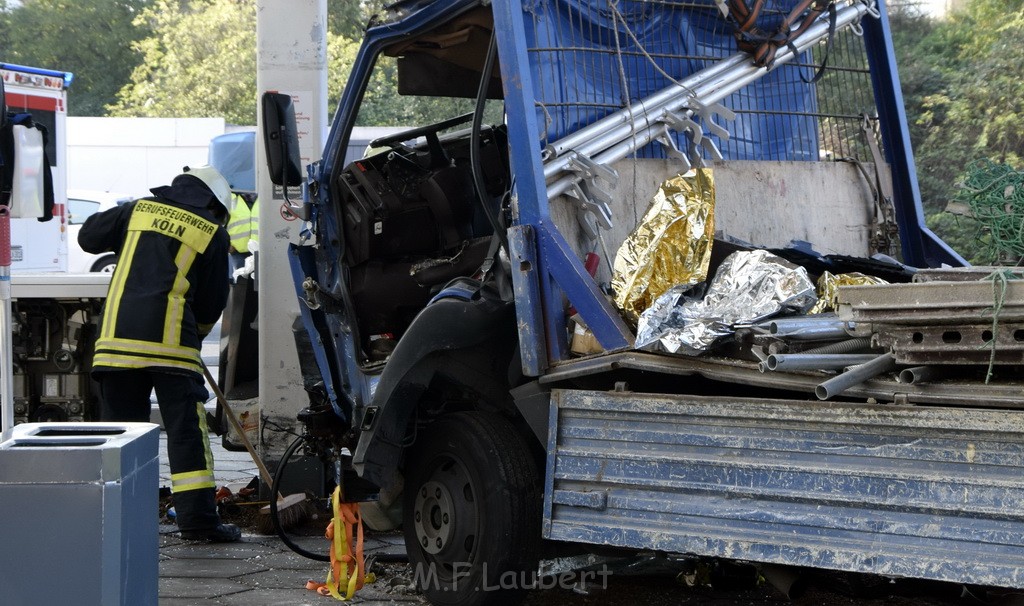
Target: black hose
(474,142)
(390,558)
(275,489)
(379,557)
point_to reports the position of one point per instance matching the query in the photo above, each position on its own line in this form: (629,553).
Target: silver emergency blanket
(749,286)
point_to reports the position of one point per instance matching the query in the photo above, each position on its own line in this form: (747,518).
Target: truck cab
(462,335)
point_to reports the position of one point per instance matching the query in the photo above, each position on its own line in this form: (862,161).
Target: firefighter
(167,292)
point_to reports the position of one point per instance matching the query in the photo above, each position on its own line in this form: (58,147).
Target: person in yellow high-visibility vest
(243,225)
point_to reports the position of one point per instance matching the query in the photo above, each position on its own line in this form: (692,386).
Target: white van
(82,204)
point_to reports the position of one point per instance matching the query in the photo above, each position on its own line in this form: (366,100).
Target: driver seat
(449,194)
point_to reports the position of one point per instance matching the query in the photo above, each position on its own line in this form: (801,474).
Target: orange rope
(347,572)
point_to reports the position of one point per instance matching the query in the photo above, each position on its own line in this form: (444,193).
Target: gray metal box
(78,513)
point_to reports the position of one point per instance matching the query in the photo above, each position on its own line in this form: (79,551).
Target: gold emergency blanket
(670,246)
(828,288)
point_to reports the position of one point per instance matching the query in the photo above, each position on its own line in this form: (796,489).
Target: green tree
(201,58)
(348,18)
(990,91)
(90,38)
(200,61)
(381,104)
(963,93)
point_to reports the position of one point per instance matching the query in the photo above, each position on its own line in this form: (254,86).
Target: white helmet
(215,181)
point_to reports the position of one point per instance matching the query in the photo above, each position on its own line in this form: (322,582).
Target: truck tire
(472,510)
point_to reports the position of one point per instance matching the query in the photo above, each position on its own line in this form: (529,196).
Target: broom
(292,509)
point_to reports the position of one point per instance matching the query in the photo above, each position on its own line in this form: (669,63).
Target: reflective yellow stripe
(124,361)
(204,428)
(203,478)
(188,228)
(131,353)
(176,298)
(240,236)
(193,480)
(191,475)
(148,347)
(117,284)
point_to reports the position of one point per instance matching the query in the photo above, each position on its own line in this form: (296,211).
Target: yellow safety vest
(244,223)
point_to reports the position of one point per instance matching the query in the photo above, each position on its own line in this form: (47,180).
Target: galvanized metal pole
(6,338)
(855,376)
(784,362)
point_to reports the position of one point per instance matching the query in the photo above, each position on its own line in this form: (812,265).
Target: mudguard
(457,321)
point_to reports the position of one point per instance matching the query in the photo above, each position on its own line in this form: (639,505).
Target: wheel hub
(433,517)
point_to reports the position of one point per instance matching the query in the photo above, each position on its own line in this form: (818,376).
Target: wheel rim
(446,514)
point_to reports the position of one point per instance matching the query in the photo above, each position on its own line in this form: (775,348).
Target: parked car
(81,205)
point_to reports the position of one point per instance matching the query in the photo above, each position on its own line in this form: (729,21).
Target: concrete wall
(131,155)
(765,203)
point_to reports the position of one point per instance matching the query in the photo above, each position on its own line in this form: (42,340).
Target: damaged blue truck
(465,342)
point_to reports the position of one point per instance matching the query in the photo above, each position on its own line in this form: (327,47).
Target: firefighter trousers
(125,396)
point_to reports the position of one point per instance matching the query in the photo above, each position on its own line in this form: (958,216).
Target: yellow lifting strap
(347,574)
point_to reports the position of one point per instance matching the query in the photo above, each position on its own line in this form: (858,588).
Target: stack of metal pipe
(821,342)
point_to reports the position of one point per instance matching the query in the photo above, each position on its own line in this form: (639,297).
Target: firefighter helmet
(216,182)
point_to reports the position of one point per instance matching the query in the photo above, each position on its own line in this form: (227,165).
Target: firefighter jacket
(169,287)
(244,222)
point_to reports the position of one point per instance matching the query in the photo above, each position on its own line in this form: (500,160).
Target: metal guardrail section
(978,344)
(891,490)
(948,392)
(933,302)
(974,322)
(965,274)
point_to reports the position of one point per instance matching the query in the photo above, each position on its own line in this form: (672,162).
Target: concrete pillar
(291,57)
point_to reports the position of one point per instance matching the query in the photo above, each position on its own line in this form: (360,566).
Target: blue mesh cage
(580,52)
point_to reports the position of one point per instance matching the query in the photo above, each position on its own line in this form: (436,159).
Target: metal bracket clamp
(674,152)
(310,291)
(591,214)
(594,211)
(707,111)
(885,231)
(692,156)
(686,124)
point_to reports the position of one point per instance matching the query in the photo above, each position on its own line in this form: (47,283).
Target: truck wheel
(472,511)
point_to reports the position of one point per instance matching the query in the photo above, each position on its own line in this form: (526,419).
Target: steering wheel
(427,131)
